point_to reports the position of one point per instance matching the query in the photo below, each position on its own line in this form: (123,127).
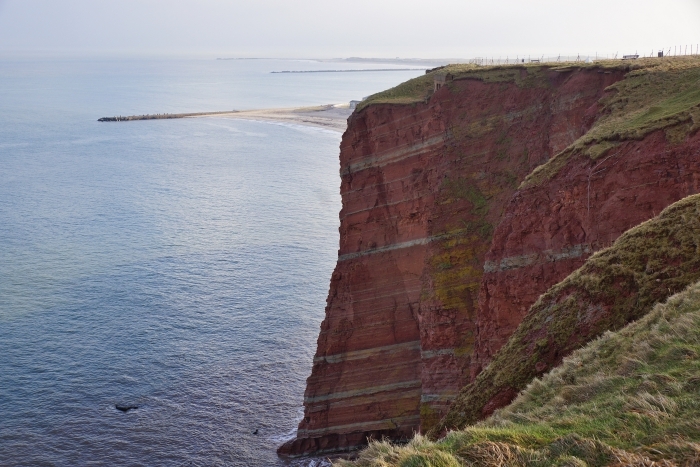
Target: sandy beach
(331,116)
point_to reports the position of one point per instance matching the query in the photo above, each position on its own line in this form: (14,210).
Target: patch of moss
(598,150)
(678,133)
(627,398)
(428,415)
(457,286)
(455,266)
(462,189)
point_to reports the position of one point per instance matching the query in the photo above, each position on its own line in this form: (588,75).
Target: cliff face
(460,208)
(642,155)
(424,187)
(549,230)
(617,285)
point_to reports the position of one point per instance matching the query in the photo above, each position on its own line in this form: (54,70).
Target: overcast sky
(333,28)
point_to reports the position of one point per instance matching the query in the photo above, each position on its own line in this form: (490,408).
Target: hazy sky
(331,28)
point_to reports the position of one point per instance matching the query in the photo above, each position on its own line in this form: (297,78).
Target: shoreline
(330,116)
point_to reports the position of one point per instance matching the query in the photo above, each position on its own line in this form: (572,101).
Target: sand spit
(331,116)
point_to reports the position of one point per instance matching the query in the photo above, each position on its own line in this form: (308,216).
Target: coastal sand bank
(331,116)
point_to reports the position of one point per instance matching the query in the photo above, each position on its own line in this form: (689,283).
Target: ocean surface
(181,266)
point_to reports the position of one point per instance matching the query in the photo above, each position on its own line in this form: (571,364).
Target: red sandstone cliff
(550,229)
(423,188)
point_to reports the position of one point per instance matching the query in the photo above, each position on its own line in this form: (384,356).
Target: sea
(180,266)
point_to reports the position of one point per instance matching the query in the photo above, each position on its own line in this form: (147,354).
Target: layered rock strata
(646,265)
(423,188)
(551,228)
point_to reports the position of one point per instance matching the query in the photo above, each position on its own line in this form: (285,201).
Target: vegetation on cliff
(628,398)
(421,88)
(441,178)
(627,394)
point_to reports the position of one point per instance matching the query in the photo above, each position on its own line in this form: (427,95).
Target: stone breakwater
(162,116)
(424,187)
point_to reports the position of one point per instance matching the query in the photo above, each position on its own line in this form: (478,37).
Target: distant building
(353,104)
(440,79)
(630,57)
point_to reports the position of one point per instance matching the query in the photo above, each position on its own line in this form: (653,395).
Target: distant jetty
(349,71)
(161,116)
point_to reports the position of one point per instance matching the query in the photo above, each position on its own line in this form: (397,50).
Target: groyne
(161,116)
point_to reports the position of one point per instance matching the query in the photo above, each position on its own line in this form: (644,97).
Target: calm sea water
(178,265)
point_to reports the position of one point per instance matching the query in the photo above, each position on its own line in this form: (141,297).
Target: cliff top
(662,95)
(625,399)
(656,94)
(421,88)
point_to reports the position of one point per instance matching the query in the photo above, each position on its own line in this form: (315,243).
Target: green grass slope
(421,88)
(628,398)
(619,284)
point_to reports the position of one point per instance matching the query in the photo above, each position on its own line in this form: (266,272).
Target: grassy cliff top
(421,88)
(628,398)
(656,94)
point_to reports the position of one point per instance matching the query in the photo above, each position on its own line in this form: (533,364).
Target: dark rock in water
(125,408)
(255,432)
